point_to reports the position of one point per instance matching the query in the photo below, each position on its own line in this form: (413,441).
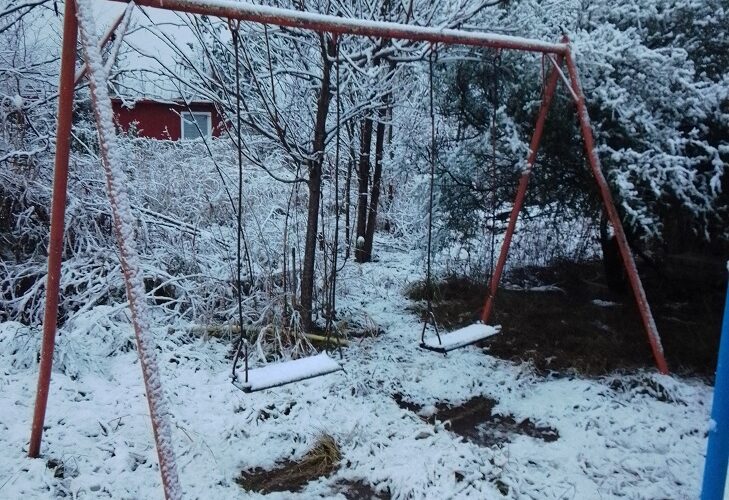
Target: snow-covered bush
(654,73)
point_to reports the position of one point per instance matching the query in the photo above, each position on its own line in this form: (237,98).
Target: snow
(604,303)
(618,439)
(545,288)
(535,288)
(277,374)
(461,337)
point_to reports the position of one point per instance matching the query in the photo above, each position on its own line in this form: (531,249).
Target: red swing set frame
(555,53)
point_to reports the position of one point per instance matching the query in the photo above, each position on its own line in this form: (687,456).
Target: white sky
(42,35)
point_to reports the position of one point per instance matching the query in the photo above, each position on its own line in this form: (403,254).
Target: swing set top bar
(244,11)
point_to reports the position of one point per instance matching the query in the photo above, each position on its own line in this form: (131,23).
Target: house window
(196,124)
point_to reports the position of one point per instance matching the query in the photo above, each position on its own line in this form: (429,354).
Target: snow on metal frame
(326,23)
(124,231)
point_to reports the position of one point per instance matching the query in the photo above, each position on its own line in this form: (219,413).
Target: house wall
(159,120)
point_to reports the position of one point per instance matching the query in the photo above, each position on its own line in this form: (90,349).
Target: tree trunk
(347,189)
(314,183)
(363,174)
(611,259)
(390,199)
(376,181)
(390,188)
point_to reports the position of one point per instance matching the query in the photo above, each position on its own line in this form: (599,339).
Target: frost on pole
(124,232)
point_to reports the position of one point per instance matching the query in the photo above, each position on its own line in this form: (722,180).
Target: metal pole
(128,256)
(58,212)
(717,453)
(521,191)
(244,11)
(645,312)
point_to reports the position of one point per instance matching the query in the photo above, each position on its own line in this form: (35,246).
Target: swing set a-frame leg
(69,78)
(594,161)
(58,213)
(645,311)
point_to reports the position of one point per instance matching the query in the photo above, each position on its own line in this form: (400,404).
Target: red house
(167,120)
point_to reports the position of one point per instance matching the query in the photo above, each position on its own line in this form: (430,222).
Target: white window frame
(208,133)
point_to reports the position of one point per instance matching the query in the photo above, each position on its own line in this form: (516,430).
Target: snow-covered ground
(619,437)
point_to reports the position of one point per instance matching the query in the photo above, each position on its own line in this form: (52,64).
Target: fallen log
(219,331)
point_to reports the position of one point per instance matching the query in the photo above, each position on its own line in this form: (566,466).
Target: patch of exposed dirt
(322,460)
(476,421)
(579,326)
(360,490)
(57,467)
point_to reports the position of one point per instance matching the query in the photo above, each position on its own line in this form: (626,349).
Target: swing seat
(459,338)
(287,372)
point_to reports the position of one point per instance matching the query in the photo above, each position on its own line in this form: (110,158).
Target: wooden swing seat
(459,338)
(287,372)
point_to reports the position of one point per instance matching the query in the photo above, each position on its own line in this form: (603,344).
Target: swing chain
(234,27)
(332,307)
(430,315)
(496,77)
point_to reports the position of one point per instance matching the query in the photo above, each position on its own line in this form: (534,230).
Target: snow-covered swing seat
(459,338)
(287,372)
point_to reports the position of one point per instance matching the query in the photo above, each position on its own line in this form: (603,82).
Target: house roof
(179,102)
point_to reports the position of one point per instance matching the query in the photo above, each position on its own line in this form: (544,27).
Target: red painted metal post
(645,311)
(521,191)
(58,213)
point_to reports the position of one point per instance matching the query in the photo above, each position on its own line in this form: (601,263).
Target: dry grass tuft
(323,457)
(321,460)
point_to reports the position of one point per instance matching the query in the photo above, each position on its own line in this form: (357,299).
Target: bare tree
(287,90)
